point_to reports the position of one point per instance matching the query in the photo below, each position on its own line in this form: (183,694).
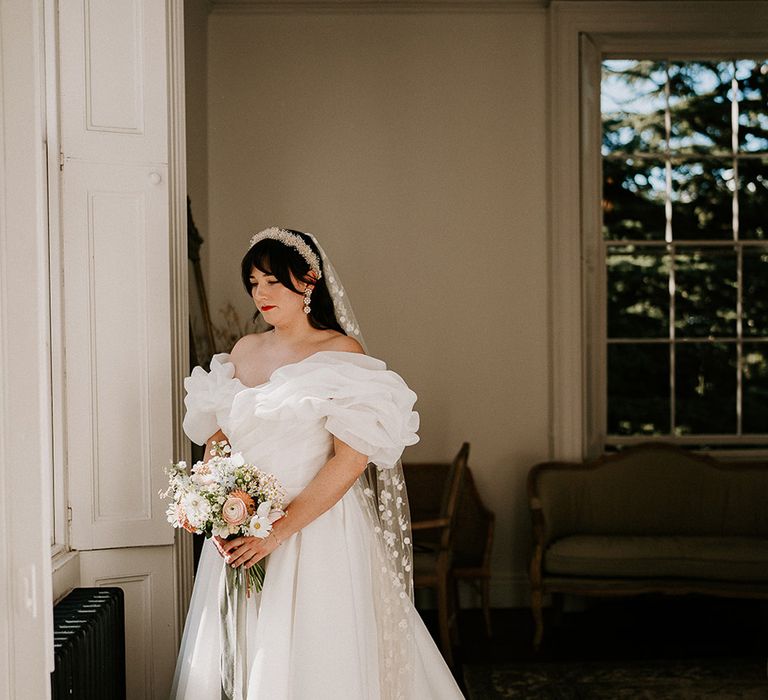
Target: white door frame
(26,638)
(177,198)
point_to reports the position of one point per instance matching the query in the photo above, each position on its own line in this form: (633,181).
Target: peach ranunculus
(237,508)
(245,498)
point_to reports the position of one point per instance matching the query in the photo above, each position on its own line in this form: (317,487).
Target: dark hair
(275,258)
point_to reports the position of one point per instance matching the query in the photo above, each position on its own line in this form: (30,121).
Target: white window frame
(582,34)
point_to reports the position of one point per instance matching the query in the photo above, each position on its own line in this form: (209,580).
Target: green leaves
(685,200)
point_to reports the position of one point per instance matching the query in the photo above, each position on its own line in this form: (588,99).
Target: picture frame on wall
(201,339)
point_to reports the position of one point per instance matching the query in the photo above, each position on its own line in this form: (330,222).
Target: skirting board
(508,591)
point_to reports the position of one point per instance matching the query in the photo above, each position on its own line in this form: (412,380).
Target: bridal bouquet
(225,497)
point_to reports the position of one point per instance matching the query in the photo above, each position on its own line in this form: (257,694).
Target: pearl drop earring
(307,295)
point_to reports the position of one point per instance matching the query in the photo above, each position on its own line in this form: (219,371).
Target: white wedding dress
(313,632)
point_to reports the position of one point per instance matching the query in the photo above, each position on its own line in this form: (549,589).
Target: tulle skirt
(314,631)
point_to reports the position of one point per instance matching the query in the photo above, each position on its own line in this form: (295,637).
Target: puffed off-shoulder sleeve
(372,411)
(209,398)
(364,404)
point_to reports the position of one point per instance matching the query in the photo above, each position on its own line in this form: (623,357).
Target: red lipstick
(267,308)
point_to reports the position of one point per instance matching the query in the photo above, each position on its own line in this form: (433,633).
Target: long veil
(383,497)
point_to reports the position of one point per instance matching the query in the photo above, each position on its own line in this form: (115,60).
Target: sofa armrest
(542,530)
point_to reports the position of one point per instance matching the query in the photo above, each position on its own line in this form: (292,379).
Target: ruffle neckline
(226,367)
(361,402)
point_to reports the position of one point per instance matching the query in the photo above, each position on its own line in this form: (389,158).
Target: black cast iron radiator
(89,645)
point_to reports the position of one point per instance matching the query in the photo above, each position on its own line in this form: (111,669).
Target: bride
(302,400)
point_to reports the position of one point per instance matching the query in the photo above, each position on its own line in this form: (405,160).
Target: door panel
(113,80)
(118,359)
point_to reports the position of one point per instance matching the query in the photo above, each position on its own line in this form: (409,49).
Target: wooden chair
(472,563)
(433,553)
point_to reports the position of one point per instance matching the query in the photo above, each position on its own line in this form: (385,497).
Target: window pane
(753,105)
(638,389)
(685,154)
(706,292)
(755,294)
(753,199)
(702,200)
(633,199)
(755,388)
(700,106)
(638,292)
(705,388)
(633,103)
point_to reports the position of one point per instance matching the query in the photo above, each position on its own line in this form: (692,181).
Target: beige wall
(413,146)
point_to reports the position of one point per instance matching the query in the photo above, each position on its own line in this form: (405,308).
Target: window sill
(66,573)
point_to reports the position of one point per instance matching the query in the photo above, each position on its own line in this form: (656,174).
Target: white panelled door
(118,352)
(116,243)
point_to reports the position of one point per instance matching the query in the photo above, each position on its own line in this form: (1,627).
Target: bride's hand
(247,551)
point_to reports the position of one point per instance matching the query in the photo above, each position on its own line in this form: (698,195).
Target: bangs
(273,258)
(261,260)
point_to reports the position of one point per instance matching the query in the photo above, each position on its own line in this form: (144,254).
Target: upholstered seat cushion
(706,558)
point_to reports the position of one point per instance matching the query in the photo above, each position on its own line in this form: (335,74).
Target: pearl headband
(292,241)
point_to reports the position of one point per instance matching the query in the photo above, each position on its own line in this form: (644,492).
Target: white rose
(203,479)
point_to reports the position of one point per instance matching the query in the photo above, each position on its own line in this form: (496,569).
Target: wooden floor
(650,627)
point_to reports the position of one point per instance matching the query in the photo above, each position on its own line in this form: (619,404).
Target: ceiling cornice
(374,6)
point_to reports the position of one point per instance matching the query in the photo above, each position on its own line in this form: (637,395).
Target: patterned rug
(718,679)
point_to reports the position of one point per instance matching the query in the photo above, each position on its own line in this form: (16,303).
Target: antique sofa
(650,519)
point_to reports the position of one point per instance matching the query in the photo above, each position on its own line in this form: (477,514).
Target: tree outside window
(685,245)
